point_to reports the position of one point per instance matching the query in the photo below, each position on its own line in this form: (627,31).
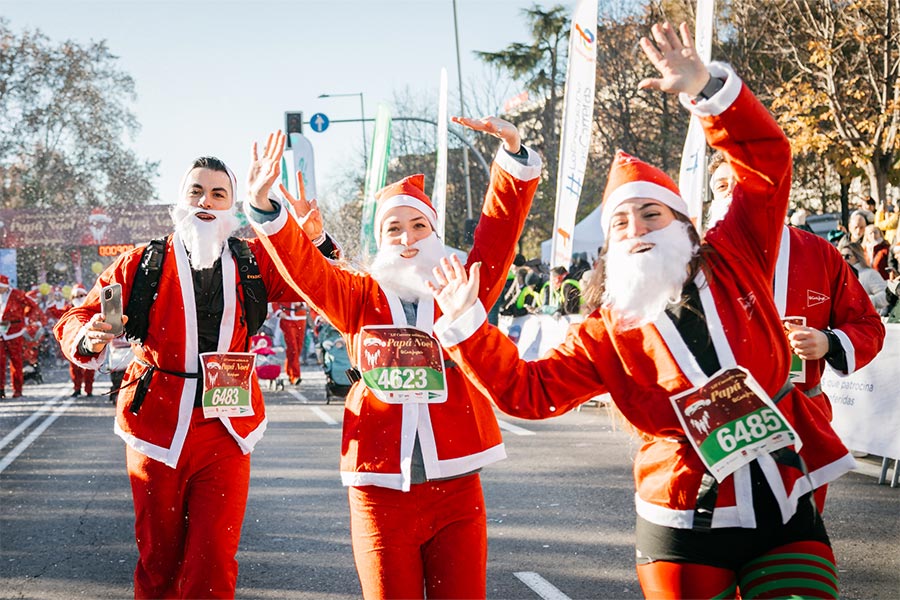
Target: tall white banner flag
(439,194)
(575,139)
(304,162)
(692,176)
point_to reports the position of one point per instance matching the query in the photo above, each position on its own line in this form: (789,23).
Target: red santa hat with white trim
(630,177)
(4,280)
(77,289)
(409,191)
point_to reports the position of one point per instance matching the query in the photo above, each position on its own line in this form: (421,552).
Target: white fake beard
(717,211)
(77,302)
(204,240)
(406,276)
(639,286)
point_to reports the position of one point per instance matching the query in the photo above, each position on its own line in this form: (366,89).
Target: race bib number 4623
(402,365)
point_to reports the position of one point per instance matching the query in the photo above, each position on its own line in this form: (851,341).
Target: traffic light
(293,123)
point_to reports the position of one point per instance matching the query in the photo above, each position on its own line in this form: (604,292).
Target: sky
(212,77)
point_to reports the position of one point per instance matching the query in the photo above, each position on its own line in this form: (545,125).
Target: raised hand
(455,293)
(308,214)
(264,171)
(496,127)
(679,65)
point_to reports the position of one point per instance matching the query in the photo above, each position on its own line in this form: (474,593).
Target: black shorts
(732,547)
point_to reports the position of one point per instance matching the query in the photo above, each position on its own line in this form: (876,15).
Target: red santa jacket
(159,428)
(812,280)
(643,367)
(16,308)
(57,309)
(457,436)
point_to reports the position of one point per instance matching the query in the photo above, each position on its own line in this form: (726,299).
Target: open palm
(456,292)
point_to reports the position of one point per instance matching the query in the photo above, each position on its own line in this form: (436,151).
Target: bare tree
(63,117)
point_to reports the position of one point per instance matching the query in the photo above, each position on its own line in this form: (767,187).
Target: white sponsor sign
(867,403)
(575,139)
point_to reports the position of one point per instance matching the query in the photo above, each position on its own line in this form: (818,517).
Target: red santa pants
(82,376)
(294,334)
(430,541)
(188,519)
(13,350)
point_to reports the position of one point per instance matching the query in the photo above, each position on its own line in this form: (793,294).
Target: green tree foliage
(63,116)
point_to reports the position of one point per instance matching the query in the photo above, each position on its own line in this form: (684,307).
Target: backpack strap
(254,297)
(144,289)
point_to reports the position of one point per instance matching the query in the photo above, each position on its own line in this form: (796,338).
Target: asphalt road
(560,508)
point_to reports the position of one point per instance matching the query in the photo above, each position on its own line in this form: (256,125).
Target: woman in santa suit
(691,347)
(416,433)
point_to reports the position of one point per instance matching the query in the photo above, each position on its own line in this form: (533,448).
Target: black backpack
(144,290)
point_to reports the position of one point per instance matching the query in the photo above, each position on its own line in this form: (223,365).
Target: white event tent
(588,237)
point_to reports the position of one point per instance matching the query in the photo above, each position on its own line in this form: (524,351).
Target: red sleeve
(562,380)
(68,328)
(337,293)
(760,155)
(853,316)
(506,206)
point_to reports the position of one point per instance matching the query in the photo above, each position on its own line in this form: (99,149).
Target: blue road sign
(318,122)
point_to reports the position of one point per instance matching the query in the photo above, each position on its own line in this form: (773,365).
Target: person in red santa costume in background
(827,313)
(292,319)
(411,458)
(688,342)
(16,308)
(80,376)
(189,470)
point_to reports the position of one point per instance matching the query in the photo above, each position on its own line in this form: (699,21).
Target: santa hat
(77,289)
(409,191)
(630,177)
(4,280)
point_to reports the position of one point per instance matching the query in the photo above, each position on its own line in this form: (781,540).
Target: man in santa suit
(689,344)
(80,376)
(189,473)
(16,308)
(840,326)
(292,321)
(411,458)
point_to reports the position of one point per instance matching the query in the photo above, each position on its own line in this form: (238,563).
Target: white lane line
(315,409)
(27,422)
(540,586)
(35,434)
(514,428)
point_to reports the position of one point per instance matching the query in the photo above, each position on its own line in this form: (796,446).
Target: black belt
(143,383)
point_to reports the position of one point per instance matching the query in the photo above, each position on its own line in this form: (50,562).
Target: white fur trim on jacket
(450,333)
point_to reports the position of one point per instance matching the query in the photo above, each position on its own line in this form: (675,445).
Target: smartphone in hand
(111,307)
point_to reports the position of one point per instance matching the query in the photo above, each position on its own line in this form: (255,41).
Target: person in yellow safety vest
(560,295)
(522,297)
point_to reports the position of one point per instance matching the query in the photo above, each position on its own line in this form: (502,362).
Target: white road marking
(35,434)
(540,586)
(27,422)
(514,428)
(315,409)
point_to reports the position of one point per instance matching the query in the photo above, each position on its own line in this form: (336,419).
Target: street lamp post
(362,110)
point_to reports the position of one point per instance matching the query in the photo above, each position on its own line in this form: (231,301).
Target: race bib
(730,421)
(402,365)
(798,365)
(226,383)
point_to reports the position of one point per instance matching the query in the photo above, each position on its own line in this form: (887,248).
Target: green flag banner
(375,176)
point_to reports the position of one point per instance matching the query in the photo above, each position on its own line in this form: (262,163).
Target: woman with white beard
(416,432)
(690,346)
